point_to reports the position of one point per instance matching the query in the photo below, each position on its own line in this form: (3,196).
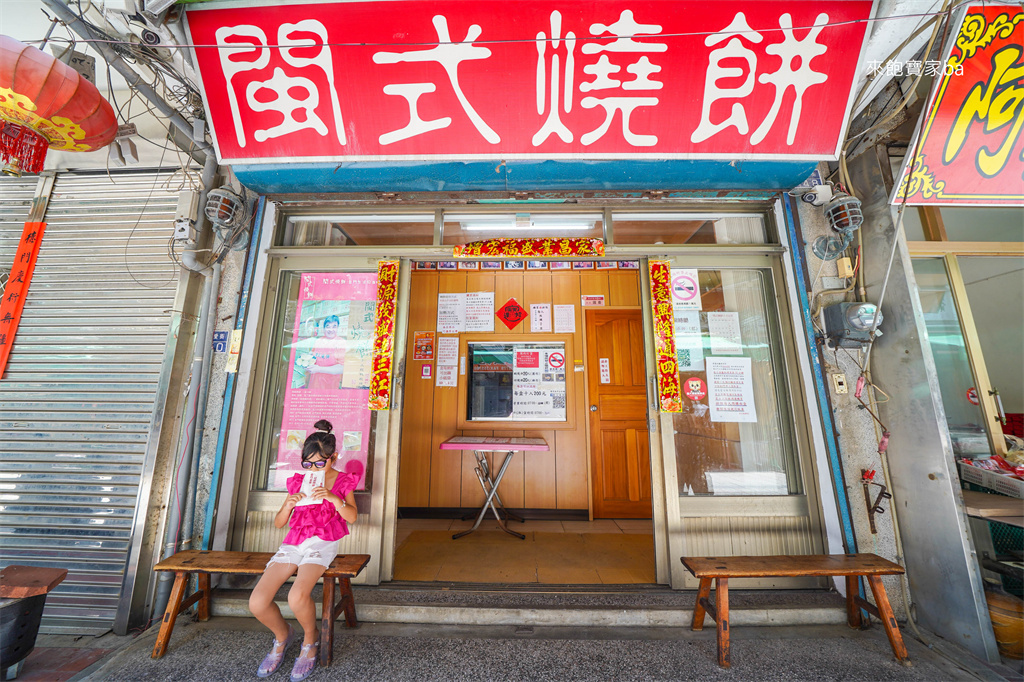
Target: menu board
(516,382)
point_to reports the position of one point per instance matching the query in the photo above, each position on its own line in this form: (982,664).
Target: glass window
(684,228)
(964,416)
(734,435)
(319,369)
(516,382)
(462,228)
(983,224)
(359,230)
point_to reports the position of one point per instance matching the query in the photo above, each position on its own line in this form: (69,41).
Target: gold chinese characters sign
(531,248)
(971,148)
(384,335)
(669,391)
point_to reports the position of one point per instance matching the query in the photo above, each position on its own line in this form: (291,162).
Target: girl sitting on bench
(318,509)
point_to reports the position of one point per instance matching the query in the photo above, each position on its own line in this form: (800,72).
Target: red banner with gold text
(384,335)
(669,392)
(13,300)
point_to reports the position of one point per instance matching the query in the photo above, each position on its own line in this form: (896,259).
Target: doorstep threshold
(551,605)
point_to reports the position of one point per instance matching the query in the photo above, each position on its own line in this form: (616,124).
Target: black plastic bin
(19,625)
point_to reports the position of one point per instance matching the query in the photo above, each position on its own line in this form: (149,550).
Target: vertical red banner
(384,335)
(13,300)
(669,392)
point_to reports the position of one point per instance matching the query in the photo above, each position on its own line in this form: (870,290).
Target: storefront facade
(707,481)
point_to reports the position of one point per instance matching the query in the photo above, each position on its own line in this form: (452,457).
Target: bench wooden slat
(18,582)
(815,565)
(251,563)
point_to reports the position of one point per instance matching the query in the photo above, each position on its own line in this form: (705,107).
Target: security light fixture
(225,208)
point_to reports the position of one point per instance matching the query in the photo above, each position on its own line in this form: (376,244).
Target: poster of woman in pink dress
(329,371)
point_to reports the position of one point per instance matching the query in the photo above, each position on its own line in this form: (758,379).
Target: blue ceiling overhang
(522,175)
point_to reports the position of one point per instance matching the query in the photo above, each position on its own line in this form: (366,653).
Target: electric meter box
(849,324)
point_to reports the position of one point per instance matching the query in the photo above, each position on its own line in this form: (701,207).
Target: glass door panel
(964,416)
(995,289)
(734,436)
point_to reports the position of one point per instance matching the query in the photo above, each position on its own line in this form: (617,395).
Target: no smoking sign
(556,360)
(685,290)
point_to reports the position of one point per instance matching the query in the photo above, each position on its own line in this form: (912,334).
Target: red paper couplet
(13,300)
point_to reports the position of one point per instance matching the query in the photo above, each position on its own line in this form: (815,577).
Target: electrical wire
(107,39)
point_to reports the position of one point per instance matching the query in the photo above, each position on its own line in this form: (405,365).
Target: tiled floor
(554,552)
(56,658)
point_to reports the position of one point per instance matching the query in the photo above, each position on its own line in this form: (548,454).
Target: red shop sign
(408,80)
(971,148)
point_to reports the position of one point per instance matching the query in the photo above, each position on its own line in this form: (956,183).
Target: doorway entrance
(582,526)
(617,397)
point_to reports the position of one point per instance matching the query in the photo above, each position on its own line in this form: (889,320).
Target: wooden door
(617,403)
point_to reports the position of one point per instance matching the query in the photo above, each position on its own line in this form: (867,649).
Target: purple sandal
(273,660)
(304,665)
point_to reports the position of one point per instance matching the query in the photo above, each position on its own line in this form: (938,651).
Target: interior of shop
(585,499)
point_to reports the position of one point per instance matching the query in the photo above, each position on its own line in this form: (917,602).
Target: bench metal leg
(171,614)
(698,609)
(853,618)
(722,620)
(885,614)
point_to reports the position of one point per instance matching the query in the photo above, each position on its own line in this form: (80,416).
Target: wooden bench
(852,566)
(342,569)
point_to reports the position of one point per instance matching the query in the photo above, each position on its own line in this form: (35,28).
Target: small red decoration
(694,388)
(511,314)
(46,103)
(531,248)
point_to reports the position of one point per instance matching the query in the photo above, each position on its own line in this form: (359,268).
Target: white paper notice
(480,311)
(448,351)
(540,317)
(451,313)
(731,390)
(690,353)
(685,290)
(606,371)
(447,376)
(565,319)
(689,343)
(724,329)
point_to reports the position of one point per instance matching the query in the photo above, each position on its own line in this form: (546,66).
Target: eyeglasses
(309,465)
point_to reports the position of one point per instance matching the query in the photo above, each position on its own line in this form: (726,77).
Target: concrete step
(553,605)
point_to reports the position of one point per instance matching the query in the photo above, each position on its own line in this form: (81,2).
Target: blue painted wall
(714,177)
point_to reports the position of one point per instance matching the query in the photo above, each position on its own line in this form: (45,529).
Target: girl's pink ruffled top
(320,520)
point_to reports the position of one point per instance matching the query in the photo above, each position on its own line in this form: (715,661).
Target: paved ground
(231,648)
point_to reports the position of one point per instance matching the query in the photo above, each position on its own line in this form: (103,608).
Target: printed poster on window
(538,384)
(329,367)
(731,390)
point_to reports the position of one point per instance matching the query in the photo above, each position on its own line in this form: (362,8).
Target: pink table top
(493,444)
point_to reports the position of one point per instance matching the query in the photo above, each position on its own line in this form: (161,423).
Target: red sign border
(857,83)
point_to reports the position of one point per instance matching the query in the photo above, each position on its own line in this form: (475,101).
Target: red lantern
(45,103)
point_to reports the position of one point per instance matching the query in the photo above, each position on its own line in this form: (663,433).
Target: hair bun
(324,425)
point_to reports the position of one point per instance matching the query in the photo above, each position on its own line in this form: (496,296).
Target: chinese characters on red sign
(971,149)
(12,301)
(409,80)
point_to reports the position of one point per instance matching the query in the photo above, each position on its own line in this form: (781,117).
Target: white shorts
(310,551)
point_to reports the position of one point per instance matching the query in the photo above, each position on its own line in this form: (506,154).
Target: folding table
(481,445)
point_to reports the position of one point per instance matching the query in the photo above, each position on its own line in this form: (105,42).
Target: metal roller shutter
(78,398)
